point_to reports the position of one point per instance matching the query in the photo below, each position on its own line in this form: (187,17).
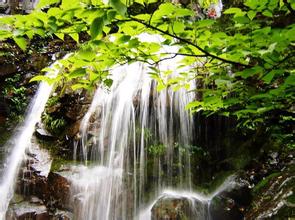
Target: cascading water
(21,140)
(198,204)
(123,127)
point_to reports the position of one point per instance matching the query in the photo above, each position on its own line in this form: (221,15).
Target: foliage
(157,150)
(259,186)
(53,124)
(16,95)
(244,60)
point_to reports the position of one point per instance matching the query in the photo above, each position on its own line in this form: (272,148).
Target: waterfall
(21,140)
(125,126)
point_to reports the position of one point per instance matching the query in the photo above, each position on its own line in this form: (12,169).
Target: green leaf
(184,12)
(290,81)
(86,54)
(242,19)
(178,27)
(251,14)
(269,76)
(267,13)
(124,39)
(69,4)
(79,86)
(75,37)
(193,105)
(108,82)
(96,27)
(261,96)
(21,42)
(60,35)
(205,23)
(250,72)
(232,11)
(45,3)
(119,7)
(140,1)
(4,34)
(77,73)
(42,78)
(111,14)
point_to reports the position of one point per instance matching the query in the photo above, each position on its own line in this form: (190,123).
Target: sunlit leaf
(96,27)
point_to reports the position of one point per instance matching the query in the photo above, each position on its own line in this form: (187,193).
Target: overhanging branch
(183,40)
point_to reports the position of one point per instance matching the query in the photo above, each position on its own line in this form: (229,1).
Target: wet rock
(43,134)
(58,191)
(3,110)
(172,208)
(274,196)
(7,70)
(62,215)
(37,180)
(26,210)
(74,128)
(33,175)
(231,202)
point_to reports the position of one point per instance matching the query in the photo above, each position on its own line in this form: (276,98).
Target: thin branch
(166,58)
(278,64)
(283,60)
(206,53)
(186,54)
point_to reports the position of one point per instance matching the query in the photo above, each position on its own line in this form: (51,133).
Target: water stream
(135,143)
(20,141)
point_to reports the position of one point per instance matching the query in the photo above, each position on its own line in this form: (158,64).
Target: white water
(124,126)
(21,141)
(115,133)
(199,203)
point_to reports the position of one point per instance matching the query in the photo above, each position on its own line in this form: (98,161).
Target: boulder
(58,191)
(62,215)
(27,210)
(230,203)
(43,134)
(179,208)
(36,179)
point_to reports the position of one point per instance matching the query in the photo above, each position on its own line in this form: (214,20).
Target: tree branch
(206,53)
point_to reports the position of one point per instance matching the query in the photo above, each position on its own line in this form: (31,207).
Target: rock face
(34,209)
(57,191)
(169,208)
(230,204)
(274,197)
(37,179)
(3,110)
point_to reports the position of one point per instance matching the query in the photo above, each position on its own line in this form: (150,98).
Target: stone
(37,180)
(230,203)
(179,208)
(58,191)
(62,215)
(26,210)
(43,134)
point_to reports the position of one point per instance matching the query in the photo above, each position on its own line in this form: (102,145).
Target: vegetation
(243,60)
(16,96)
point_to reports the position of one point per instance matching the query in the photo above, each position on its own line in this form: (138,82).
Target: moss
(259,186)
(54,148)
(291,199)
(5,135)
(58,162)
(211,186)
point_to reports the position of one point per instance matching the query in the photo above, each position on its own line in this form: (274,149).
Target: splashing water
(21,141)
(135,143)
(198,202)
(121,129)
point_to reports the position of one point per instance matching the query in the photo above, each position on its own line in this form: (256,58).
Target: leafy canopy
(243,61)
